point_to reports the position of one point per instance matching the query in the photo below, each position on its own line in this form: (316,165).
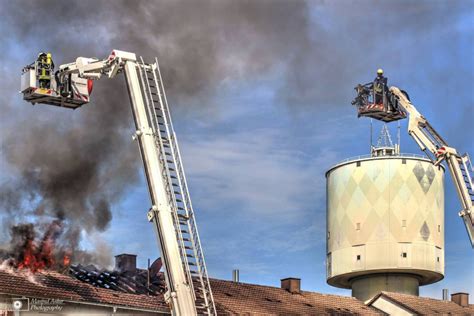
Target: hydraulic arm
(438,150)
(188,287)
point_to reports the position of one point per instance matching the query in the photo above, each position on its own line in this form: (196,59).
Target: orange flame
(36,257)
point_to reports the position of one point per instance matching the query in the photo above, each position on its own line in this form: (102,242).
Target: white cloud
(258,170)
(259,195)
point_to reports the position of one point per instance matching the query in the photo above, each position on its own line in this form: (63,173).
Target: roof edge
(386,296)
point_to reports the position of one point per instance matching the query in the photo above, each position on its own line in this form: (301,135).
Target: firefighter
(380,87)
(45,69)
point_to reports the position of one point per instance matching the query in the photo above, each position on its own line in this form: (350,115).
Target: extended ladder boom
(188,286)
(438,150)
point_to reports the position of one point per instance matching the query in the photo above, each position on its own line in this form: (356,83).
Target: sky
(260,96)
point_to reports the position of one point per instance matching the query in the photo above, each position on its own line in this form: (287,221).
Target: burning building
(129,290)
(133,291)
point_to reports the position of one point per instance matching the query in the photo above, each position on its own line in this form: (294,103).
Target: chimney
(126,263)
(445,295)
(292,285)
(235,275)
(460,298)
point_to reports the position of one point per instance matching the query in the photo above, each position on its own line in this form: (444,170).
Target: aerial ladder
(396,105)
(188,287)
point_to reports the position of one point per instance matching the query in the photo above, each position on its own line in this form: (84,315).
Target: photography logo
(21,304)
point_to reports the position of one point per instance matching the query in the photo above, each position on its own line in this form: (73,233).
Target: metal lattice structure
(176,186)
(384,139)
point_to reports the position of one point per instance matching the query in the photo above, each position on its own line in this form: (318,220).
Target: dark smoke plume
(75,165)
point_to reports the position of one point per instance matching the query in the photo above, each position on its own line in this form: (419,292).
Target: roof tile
(428,306)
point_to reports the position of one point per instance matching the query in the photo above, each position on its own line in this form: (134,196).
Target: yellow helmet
(380,71)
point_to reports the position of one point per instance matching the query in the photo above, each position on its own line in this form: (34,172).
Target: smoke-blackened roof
(137,282)
(51,284)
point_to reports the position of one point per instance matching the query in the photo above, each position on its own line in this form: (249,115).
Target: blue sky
(257,142)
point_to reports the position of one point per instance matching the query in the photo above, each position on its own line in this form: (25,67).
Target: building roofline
(393,300)
(279,288)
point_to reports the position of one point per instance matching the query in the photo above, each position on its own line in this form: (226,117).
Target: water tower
(385,222)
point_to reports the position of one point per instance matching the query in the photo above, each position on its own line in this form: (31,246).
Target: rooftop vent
(292,285)
(445,295)
(235,275)
(462,299)
(126,263)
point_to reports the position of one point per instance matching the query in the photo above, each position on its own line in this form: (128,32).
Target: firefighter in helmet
(45,67)
(380,87)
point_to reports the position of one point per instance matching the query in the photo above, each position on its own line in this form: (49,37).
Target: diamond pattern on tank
(424,177)
(396,180)
(363,205)
(404,193)
(380,230)
(357,173)
(419,171)
(370,225)
(380,181)
(430,174)
(348,228)
(410,190)
(375,173)
(414,186)
(371,191)
(425,231)
(425,184)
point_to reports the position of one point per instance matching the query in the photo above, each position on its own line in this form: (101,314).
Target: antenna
(398,139)
(384,146)
(384,139)
(371,128)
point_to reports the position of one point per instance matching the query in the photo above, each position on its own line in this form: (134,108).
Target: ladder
(467,173)
(174,178)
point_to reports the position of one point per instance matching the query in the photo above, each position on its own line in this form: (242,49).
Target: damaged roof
(51,284)
(128,282)
(231,298)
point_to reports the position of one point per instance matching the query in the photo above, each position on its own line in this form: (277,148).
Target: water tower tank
(385,223)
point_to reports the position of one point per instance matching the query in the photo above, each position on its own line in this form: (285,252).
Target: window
(329,235)
(404,223)
(404,254)
(358,164)
(437,259)
(404,161)
(358,226)
(358,257)
(439,228)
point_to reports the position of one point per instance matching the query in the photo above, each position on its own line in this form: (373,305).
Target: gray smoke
(76,165)
(313,44)
(200,43)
